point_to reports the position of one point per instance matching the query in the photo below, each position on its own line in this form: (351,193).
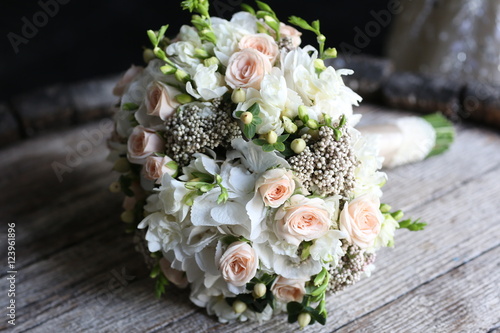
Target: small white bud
(115,187)
(272,137)
(127,216)
(304,319)
(246,117)
(298,146)
(239,306)
(259,290)
(238,96)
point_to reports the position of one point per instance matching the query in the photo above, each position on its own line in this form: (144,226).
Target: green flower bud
(304,319)
(246,117)
(312,124)
(321,39)
(201,53)
(211,61)
(331,52)
(385,208)
(270,21)
(398,215)
(288,125)
(184,98)
(272,137)
(148,55)
(239,306)
(122,165)
(181,76)
(303,114)
(115,187)
(298,146)
(319,65)
(259,290)
(127,216)
(238,96)
(167,69)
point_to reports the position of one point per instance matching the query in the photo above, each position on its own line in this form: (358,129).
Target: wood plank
(465,299)
(72,275)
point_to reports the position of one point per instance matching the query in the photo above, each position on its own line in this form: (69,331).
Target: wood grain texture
(78,271)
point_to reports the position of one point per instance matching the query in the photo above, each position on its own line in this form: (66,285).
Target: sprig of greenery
(250,129)
(202,21)
(412,225)
(279,145)
(265,13)
(202,183)
(161,280)
(314,26)
(316,293)
(257,304)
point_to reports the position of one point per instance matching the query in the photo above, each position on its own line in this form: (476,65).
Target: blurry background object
(459,39)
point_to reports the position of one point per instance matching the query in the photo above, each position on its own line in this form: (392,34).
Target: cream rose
(288,290)
(287,31)
(263,43)
(238,264)
(175,276)
(361,220)
(275,186)
(142,143)
(126,79)
(302,219)
(156,167)
(247,68)
(160,100)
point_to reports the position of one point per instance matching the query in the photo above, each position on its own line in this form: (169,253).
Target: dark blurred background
(86,39)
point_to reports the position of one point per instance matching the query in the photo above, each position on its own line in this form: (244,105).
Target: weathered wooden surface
(78,271)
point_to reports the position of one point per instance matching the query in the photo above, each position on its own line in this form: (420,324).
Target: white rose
(288,290)
(276,186)
(361,220)
(208,82)
(302,219)
(238,264)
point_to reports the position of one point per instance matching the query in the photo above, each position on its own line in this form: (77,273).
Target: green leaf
(279,146)
(130,106)
(254,109)
(300,22)
(229,239)
(412,225)
(248,8)
(315,25)
(294,308)
(265,7)
(283,137)
(203,177)
(256,120)
(268,147)
(161,33)
(259,142)
(152,37)
(249,130)
(239,113)
(155,271)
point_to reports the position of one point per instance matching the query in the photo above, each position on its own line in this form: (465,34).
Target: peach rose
(126,79)
(263,43)
(142,143)
(176,277)
(288,290)
(160,100)
(247,68)
(275,186)
(302,219)
(156,167)
(238,264)
(292,33)
(361,220)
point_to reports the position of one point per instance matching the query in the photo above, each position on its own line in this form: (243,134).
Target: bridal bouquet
(243,173)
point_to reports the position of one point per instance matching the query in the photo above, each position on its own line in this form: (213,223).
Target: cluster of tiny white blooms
(197,126)
(350,268)
(327,166)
